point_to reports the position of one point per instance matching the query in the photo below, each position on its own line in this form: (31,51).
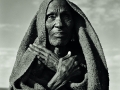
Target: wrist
(53,80)
(57,78)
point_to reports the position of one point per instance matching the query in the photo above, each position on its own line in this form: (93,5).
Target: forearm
(57,80)
(60,79)
(52,63)
(81,85)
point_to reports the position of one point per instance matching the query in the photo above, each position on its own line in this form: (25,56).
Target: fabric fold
(97,77)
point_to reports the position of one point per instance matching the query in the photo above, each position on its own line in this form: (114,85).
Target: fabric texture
(97,72)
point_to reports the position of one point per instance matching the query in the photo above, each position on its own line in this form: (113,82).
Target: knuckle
(29,49)
(64,69)
(61,59)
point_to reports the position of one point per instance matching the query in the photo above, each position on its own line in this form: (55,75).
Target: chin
(58,43)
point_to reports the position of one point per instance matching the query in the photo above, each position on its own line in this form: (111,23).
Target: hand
(48,58)
(67,66)
(38,87)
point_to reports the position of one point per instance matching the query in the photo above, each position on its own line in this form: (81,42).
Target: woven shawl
(97,72)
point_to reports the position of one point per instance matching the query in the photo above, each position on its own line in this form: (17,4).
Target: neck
(59,51)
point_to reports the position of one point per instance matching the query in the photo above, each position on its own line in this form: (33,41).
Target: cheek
(49,26)
(69,24)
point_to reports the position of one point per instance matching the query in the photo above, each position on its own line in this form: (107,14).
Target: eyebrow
(53,12)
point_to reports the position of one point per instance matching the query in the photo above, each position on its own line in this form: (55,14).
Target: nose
(58,23)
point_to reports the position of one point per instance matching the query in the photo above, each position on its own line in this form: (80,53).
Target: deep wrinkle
(59,25)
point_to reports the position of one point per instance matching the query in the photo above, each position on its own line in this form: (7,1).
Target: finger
(67,56)
(41,57)
(38,46)
(75,63)
(60,63)
(76,71)
(34,48)
(36,52)
(41,48)
(70,62)
(83,65)
(30,49)
(45,51)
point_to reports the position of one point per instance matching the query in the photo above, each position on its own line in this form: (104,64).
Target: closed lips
(59,34)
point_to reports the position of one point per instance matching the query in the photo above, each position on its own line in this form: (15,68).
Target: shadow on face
(62,23)
(59,23)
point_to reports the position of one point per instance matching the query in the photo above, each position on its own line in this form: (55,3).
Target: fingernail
(38,57)
(69,52)
(76,63)
(30,45)
(34,44)
(29,49)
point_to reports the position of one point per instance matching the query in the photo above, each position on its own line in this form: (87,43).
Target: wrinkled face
(59,23)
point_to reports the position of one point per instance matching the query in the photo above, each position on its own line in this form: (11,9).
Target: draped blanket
(97,72)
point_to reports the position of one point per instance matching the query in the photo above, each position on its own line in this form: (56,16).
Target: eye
(51,16)
(66,15)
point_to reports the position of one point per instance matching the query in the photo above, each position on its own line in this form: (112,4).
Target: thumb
(68,55)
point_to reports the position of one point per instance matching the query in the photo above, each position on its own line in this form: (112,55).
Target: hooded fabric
(97,72)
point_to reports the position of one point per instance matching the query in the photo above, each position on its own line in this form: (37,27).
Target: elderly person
(60,51)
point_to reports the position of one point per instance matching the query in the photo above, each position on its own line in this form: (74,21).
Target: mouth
(60,34)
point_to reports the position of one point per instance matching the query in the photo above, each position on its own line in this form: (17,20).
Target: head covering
(97,71)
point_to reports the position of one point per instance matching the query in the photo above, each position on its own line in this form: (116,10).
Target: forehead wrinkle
(52,8)
(57,10)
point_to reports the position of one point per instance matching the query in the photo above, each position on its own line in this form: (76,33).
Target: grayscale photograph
(59,45)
